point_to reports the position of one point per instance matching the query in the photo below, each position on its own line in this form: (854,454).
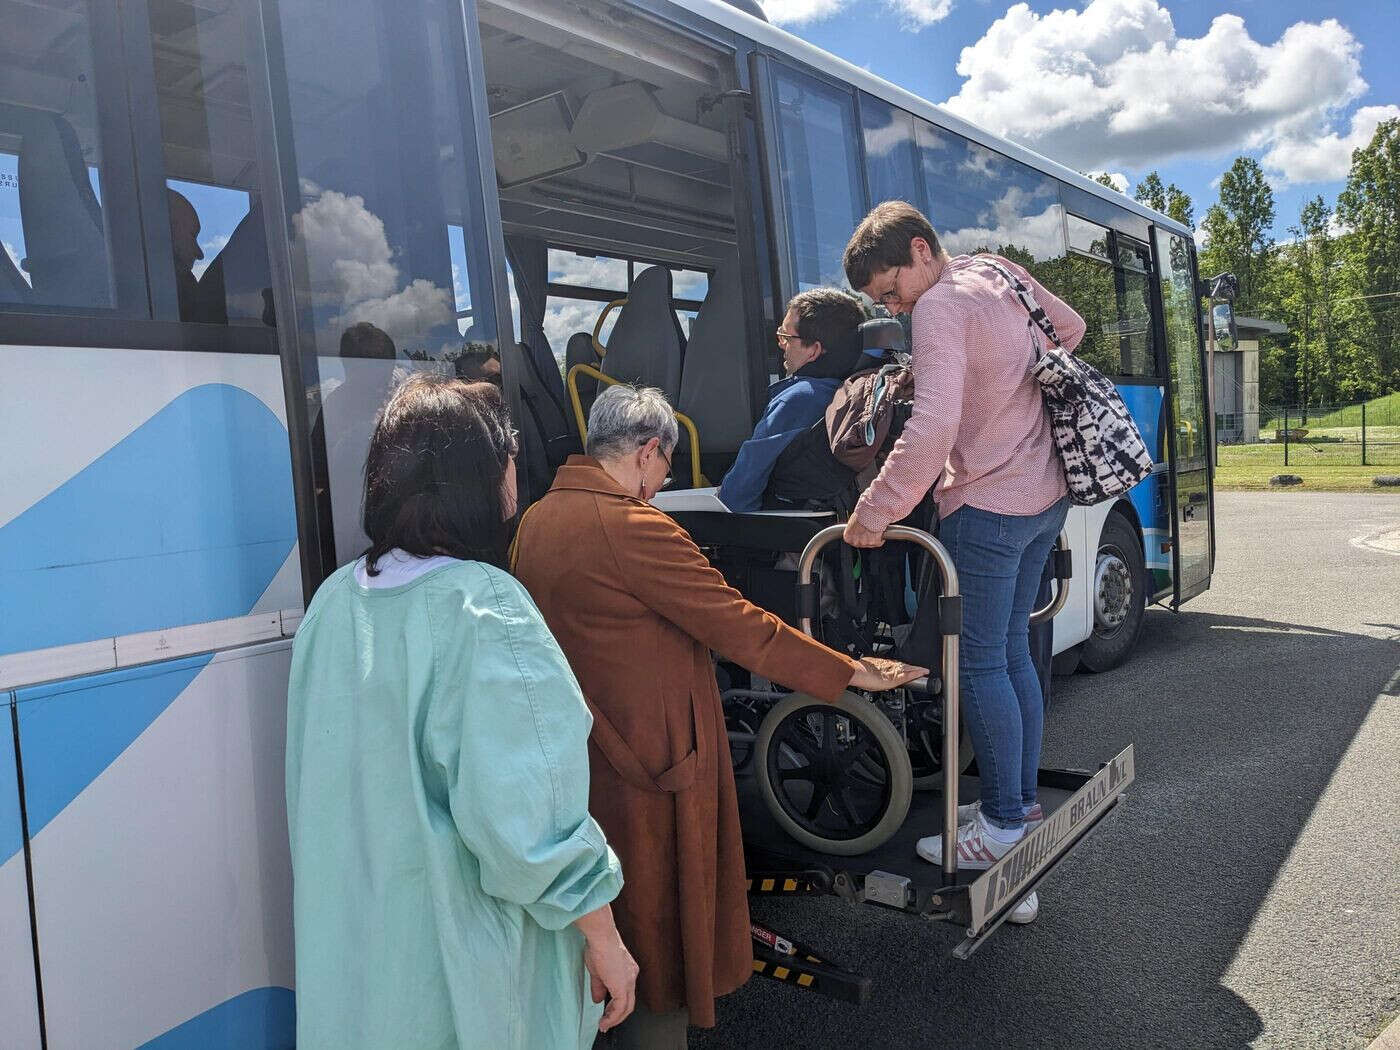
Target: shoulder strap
(1037,313)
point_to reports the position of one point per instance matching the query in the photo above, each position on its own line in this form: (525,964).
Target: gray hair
(625,417)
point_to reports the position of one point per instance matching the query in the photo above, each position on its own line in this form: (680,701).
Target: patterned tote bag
(1099,444)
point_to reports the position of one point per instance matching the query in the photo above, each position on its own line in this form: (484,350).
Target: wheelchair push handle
(950,627)
(1062,576)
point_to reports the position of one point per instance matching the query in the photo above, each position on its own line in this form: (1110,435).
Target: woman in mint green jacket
(450,888)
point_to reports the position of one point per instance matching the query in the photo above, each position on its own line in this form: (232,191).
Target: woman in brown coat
(637,608)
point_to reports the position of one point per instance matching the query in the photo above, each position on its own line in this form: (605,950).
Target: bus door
(1193,518)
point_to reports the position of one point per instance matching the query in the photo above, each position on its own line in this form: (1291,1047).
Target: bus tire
(876,785)
(1118,596)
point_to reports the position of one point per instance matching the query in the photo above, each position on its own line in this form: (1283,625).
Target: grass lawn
(1327,467)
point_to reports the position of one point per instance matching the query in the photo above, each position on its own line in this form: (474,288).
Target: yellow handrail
(598,347)
(697,479)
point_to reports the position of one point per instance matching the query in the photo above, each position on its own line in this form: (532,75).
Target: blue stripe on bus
(71,731)
(11,834)
(263,1019)
(186,520)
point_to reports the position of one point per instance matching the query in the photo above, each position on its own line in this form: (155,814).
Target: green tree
(1103,178)
(1306,281)
(1170,200)
(1237,229)
(1369,207)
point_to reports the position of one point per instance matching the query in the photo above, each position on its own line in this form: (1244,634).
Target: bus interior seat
(579,351)
(646,344)
(64,238)
(715,382)
(543,406)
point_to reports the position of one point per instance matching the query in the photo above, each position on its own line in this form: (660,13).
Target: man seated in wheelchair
(820,342)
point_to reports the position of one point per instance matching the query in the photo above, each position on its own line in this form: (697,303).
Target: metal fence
(1360,434)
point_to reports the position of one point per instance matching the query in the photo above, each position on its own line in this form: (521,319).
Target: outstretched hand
(876,674)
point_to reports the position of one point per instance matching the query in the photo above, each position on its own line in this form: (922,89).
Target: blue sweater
(794,404)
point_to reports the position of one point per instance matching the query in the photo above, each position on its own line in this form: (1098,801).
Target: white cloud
(1007,224)
(920,14)
(352,269)
(410,312)
(211,248)
(1113,84)
(912,14)
(1327,157)
(800,12)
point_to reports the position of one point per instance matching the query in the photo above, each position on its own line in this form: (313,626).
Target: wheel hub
(1113,591)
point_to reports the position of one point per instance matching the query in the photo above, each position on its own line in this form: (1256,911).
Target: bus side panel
(1151,498)
(152,490)
(163,877)
(19,1002)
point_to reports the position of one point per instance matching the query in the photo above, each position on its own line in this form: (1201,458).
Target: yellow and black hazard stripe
(794,963)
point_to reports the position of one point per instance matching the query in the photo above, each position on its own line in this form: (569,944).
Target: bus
(228,225)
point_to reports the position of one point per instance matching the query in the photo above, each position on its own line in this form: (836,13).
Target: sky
(1129,86)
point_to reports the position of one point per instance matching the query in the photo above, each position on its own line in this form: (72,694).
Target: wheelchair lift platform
(894,876)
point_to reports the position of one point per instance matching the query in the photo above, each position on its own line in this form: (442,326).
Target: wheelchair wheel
(836,777)
(926,745)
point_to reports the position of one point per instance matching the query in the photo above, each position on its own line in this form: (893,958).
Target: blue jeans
(1000,559)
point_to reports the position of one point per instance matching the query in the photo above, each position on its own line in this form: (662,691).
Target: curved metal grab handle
(949,576)
(1061,595)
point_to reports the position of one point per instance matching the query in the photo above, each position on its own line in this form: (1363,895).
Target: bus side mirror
(1223,318)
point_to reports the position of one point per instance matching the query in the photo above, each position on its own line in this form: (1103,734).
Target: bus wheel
(836,777)
(1119,593)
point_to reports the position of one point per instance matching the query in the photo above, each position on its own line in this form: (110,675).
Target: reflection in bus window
(54,243)
(382,169)
(1115,301)
(891,153)
(820,177)
(218,240)
(981,201)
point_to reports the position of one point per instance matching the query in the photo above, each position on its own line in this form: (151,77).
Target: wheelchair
(839,777)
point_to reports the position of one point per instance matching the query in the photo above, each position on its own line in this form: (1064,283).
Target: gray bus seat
(579,351)
(716,381)
(542,401)
(646,344)
(65,244)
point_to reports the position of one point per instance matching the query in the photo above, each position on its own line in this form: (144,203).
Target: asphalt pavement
(1247,893)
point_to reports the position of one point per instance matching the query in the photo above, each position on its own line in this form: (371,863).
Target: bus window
(981,201)
(891,153)
(382,173)
(218,241)
(818,171)
(1106,280)
(57,247)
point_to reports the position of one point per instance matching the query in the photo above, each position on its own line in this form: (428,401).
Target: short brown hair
(826,315)
(882,239)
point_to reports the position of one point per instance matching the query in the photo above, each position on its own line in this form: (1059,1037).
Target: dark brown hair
(826,315)
(433,476)
(881,241)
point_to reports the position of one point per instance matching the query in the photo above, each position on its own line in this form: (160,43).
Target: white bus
(227,223)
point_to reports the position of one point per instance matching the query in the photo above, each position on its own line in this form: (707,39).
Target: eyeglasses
(667,460)
(783,337)
(892,296)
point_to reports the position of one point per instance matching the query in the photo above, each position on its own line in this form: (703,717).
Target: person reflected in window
(184,242)
(820,343)
(479,363)
(346,423)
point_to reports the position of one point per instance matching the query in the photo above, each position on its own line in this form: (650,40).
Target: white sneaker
(1035,816)
(976,851)
(1026,910)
